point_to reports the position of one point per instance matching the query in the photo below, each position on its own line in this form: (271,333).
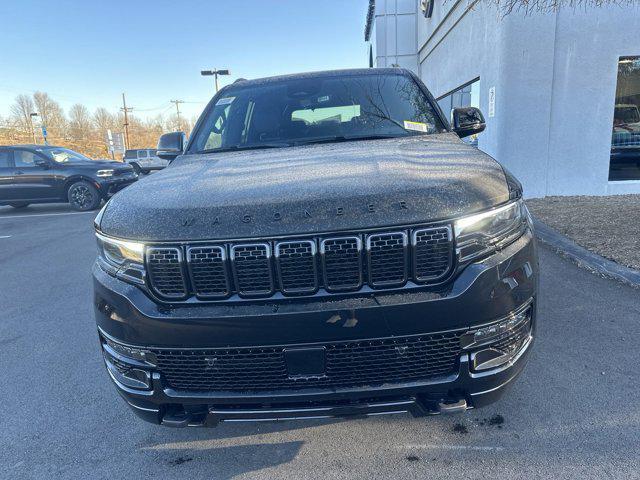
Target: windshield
(64,155)
(308,110)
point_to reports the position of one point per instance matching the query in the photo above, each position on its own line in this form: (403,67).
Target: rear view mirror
(467,121)
(171,145)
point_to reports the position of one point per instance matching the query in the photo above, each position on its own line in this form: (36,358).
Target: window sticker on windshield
(417,126)
(225,101)
(323,99)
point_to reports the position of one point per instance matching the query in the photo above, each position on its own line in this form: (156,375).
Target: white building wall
(396,37)
(554,76)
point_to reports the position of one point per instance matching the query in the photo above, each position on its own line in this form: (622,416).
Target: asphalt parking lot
(573,414)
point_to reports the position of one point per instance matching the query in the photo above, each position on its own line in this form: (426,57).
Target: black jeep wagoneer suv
(324,245)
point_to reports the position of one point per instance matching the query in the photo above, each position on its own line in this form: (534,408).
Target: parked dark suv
(324,245)
(46,174)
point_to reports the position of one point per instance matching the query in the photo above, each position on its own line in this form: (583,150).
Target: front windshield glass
(64,155)
(307,110)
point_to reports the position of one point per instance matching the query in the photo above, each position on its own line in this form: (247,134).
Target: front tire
(83,196)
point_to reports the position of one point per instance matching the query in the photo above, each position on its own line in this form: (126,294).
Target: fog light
(127,376)
(498,331)
(133,353)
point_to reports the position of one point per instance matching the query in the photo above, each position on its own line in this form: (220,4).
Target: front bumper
(109,187)
(481,294)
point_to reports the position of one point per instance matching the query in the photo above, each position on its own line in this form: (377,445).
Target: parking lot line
(45,215)
(5,236)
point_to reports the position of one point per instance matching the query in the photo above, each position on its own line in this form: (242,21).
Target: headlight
(122,258)
(481,234)
(104,173)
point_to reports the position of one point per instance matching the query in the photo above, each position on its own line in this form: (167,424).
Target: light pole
(33,133)
(215,73)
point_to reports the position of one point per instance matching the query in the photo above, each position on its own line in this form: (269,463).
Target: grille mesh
(348,364)
(387,258)
(165,272)
(432,253)
(297,266)
(342,263)
(252,268)
(208,271)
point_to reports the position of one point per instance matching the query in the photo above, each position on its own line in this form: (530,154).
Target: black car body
(49,174)
(331,274)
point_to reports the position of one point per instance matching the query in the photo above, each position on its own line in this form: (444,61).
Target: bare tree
(80,125)
(21,111)
(104,120)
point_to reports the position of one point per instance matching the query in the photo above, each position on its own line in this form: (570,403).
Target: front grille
(166,272)
(432,253)
(252,268)
(296,262)
(388,257)
(208,269)
(348,364)
(302,266)
(342,261)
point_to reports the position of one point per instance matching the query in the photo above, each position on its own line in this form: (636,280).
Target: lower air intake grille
(348,364)
(165,271)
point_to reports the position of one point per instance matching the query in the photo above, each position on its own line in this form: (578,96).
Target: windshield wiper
(349,138)
(232,148)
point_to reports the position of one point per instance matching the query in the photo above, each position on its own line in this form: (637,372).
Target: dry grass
(608,226)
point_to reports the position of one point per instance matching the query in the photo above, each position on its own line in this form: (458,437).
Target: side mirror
(467,121)
(41,162)
(171,145)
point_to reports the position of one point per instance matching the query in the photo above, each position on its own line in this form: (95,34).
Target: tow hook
(450,408)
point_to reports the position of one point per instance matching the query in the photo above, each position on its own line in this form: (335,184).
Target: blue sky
(89,52)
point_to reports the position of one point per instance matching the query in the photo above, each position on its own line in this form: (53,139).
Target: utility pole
(177,102)
(215,73)
(33,132)
(126,111)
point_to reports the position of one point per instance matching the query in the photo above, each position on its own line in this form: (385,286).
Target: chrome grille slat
(208,269)
(302,266)
(251,265)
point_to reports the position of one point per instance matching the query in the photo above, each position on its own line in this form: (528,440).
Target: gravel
(608,226)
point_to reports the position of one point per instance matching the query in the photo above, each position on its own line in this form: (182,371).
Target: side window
(4,158)
(142,154)
(24,158)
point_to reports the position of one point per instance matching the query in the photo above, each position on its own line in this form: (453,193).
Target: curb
(584,258)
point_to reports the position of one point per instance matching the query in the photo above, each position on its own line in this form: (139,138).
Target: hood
(308,189)
(97,164)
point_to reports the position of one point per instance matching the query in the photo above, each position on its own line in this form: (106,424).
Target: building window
(624,163)
(467,95)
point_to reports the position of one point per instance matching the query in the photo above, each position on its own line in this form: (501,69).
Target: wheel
(146,172)
(19,204)
(136,168)
(83,196)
